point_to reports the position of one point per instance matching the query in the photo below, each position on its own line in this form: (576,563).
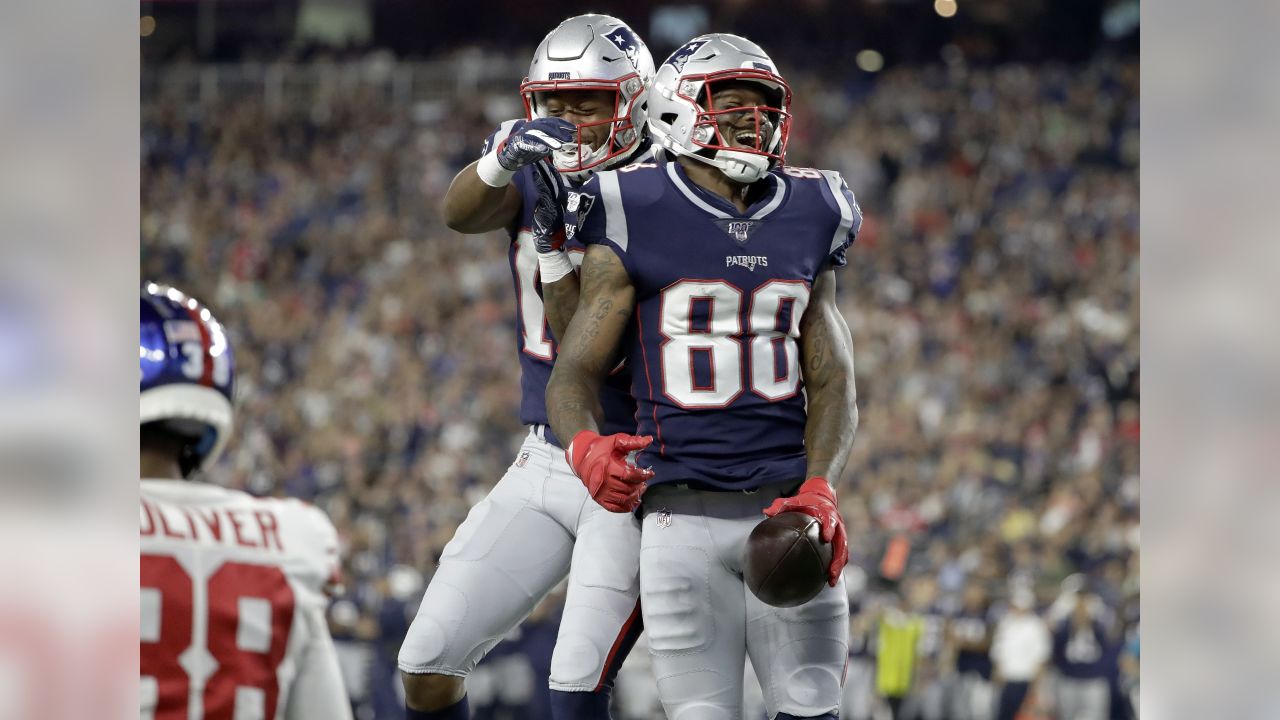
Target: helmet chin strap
(742,167)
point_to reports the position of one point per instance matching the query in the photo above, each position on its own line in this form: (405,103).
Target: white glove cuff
(493,174)
(554,266)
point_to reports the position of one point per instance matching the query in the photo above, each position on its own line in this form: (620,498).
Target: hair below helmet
(683,121)
(594,52)
(187,373)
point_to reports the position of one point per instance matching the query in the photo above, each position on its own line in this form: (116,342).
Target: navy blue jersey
(719,297)
(973,627)
(1081,653)
(534,341)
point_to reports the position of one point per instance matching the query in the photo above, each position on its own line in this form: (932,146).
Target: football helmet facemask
(682,118)
(593,52)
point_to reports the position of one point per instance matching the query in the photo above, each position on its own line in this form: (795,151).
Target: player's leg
(799,653)
(693,609)
(502,560)
(601,618)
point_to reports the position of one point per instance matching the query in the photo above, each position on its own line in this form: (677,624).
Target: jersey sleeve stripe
(834,184)
(615,218)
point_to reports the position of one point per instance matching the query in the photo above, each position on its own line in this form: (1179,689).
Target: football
(786,561)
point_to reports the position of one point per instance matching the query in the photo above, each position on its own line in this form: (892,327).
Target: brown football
(786,561)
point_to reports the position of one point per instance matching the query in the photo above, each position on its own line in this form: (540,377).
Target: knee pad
(423,646)
(576,664)
(591,662)
(711,705)
(810,685)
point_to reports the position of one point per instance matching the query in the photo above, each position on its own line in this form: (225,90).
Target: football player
(234,588)
(585,99)
(715,274)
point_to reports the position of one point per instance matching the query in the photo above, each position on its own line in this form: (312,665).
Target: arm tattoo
(560,299)
(827,352)
(604,309)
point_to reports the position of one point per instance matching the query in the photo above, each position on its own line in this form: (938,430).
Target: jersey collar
(718,206)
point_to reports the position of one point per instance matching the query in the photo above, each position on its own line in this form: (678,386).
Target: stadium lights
(869,61)
(945,8)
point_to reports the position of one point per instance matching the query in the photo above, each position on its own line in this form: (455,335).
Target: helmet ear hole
(668,118)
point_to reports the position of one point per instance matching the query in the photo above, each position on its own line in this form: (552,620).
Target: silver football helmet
(593,52)
(683,121)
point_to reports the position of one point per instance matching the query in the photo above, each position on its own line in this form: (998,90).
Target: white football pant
(702,621)
(536,525)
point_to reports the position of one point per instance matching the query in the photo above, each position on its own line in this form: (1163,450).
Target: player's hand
(817,500)
(548,213)
(533,140)
(602,465)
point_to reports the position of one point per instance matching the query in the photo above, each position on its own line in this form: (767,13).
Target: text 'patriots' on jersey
(719,297)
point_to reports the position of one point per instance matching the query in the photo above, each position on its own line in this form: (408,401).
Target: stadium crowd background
(991,295)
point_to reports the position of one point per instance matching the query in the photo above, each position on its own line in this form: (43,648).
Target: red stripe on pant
(617,645)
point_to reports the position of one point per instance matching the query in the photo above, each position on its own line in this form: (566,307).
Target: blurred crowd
(992,296)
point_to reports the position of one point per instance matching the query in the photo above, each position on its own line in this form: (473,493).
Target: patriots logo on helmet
(681,56)
(626,41)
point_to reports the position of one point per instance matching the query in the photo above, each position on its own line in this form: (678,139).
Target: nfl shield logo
(739,230)
(664,519)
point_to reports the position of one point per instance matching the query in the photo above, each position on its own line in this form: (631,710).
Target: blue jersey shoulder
(836,198)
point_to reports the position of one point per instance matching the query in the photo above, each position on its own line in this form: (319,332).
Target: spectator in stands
(969,638)
(1019,650)
(1085,656)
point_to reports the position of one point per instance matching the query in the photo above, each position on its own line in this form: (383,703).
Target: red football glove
(816,499)
(601,463)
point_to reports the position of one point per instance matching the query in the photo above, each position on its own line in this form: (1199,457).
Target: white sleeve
(1044,645)
(318,692)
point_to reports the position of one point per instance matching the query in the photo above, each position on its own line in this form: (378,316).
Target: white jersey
(233,606)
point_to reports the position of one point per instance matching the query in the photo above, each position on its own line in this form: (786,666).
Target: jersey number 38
(240,619)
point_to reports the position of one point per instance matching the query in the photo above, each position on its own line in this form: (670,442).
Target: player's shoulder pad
(497,136)
(612,196)
(311,538)
(836,196)
(641,182)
